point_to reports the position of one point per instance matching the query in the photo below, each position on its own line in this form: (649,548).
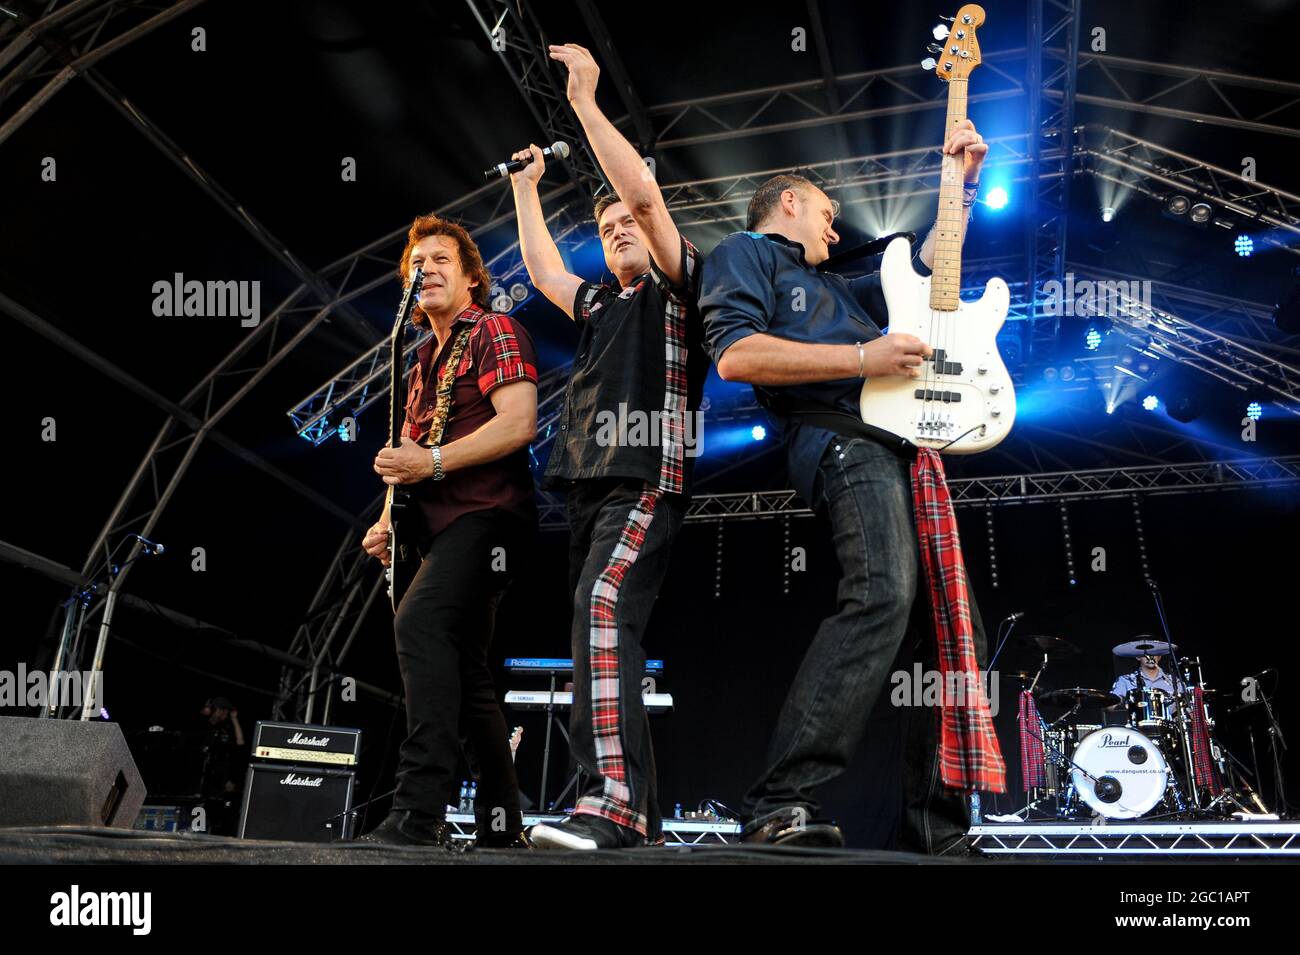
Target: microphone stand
(77,609)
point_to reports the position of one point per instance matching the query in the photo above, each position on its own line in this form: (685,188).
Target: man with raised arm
(623,453)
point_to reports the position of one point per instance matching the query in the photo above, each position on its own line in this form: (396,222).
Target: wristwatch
(437,462)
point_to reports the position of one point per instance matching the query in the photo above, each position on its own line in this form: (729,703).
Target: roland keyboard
(540,699)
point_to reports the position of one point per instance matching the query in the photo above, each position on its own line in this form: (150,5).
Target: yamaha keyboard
(541,699)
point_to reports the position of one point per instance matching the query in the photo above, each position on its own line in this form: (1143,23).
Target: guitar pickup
(928,394)
(941,364)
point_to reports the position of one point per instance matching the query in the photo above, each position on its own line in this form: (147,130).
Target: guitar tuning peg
(935,48)
(940,32)
(948,19)
(928,63)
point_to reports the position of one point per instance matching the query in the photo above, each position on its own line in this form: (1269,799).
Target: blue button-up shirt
(759,282)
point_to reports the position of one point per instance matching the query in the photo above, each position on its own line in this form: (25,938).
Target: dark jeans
(866,492)
(444,628)
(620,534)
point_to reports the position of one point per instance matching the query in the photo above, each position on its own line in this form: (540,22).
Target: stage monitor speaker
(296,803)
(66,773)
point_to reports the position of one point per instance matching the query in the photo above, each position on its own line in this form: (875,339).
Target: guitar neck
(945,286)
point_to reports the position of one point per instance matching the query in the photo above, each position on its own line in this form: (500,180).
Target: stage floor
(75,845)
(994,844)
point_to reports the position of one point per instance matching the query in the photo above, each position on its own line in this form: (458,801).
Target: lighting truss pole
(1049,70)
(1133,163)
(1096,484)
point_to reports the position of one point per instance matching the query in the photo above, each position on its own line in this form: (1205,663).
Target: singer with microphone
(639,357)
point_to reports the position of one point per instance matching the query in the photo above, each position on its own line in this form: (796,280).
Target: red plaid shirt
(499,351)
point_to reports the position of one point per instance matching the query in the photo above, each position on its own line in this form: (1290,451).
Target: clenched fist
(375,543)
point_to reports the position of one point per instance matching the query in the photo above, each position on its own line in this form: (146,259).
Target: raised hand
(583,71)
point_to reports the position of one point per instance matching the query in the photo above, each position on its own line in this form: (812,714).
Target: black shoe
(584,832)
(496,840)
(792,827)
(403,827)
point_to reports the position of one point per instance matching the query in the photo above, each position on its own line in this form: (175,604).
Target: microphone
(150,547)
(503,170)
(1015,616)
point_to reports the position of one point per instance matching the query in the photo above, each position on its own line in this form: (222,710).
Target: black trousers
(620,533)
(444,629)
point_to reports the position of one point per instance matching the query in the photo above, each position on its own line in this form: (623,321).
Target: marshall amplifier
(296,803)
(306,745)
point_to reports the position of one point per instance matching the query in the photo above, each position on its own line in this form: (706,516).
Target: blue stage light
(758,432)
(1151,402)
(997,198)
(1092,341)
(1254,410)
(1244,245)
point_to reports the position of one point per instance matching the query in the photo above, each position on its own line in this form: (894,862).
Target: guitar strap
(823,416)
(446,382)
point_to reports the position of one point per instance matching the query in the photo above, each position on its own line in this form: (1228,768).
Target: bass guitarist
(806,339)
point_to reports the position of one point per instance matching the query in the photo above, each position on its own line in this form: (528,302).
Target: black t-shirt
(631,408)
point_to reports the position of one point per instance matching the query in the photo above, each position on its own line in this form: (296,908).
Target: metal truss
(1051,75)
(513,30)
(1007,489)
(76,36)
(1127,839)
(337,603)
(790,107)
(1161,334)
(1133,163)
(1195,94)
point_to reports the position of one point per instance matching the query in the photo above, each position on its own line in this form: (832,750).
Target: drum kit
(1135,756)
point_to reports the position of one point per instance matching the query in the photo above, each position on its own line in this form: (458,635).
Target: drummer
(1152,677)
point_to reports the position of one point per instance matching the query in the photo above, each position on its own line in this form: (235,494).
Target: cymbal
(1143,646)
(1052,646)
(1085,697)
(1020,676)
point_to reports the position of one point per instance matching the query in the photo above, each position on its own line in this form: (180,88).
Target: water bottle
(677,811)
(473,794)
(975,817)
(462,806)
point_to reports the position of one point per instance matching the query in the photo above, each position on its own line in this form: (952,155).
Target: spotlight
(1177,205)
(1067,373)
(1092,340)
(1200,214)
(1254,410)
(519,291)
(1107,214)
(758,432)
(1049,374)
(502,304)
(1150,402)
(997,198)
(344,433)
(1244,246)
